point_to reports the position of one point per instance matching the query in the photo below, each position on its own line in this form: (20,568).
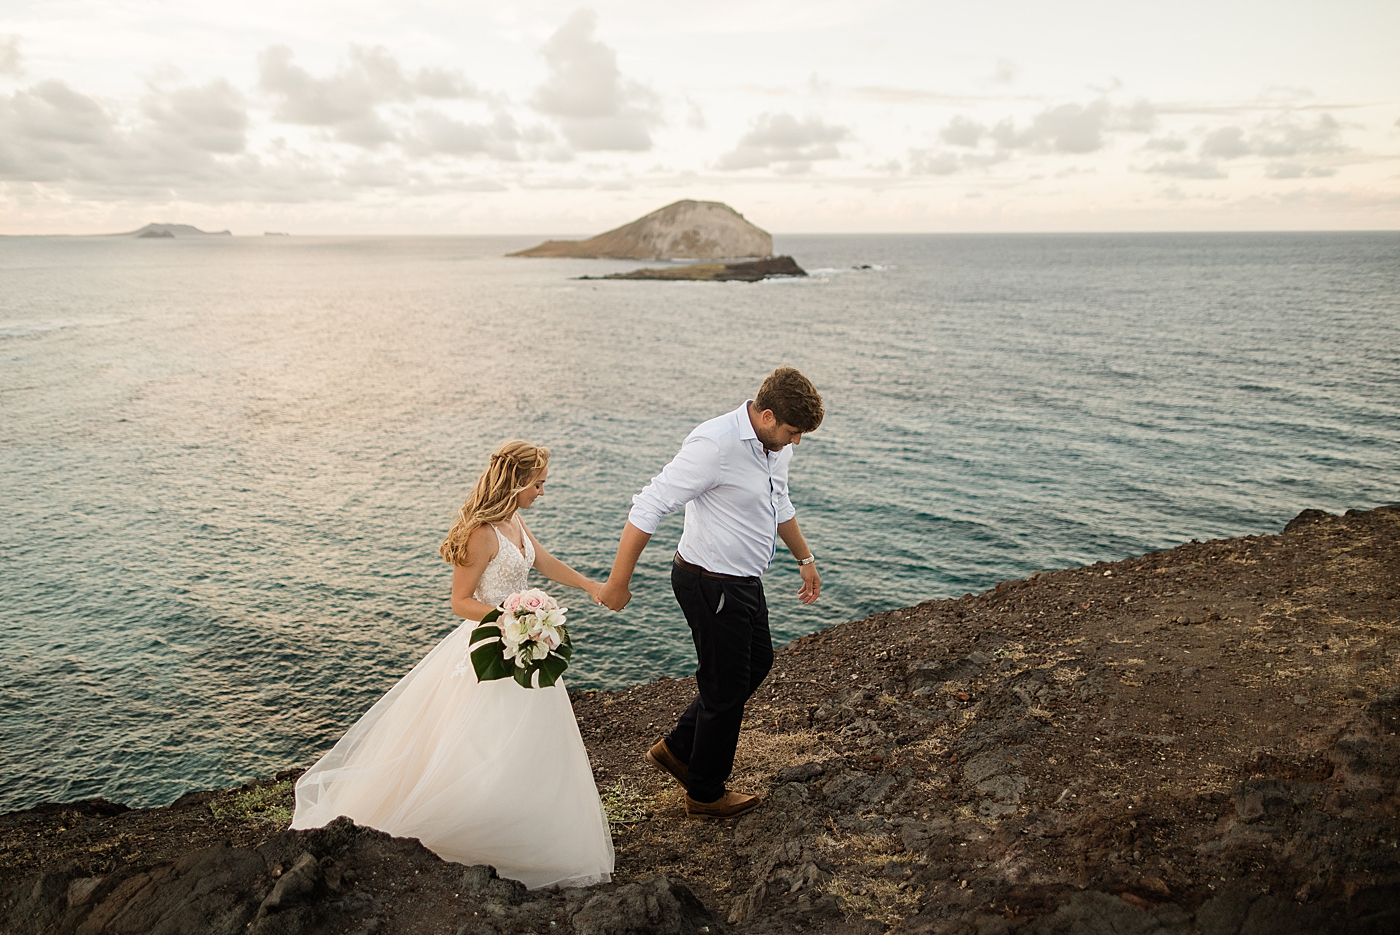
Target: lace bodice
(507,572)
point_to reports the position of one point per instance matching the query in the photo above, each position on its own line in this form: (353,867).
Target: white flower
(532,626)
(516,630)
(549,637)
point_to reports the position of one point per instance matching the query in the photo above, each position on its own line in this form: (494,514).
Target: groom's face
(775,435)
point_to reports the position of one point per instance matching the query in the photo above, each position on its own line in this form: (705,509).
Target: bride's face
(527,497)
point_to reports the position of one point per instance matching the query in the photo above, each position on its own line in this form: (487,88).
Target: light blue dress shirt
(734,491)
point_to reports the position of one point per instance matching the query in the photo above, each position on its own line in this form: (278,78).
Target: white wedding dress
(480,772)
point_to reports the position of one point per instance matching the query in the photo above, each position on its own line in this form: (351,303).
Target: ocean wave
(28,329)
(856,268)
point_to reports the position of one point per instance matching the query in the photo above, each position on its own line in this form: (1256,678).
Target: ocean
(226,464)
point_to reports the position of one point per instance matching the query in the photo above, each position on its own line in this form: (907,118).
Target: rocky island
(751,271)
(683,230)
(1199,741)
(172,230)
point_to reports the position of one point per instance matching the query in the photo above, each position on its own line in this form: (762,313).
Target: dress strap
(524,549)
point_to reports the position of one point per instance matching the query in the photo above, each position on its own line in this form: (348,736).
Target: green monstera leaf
(489,658)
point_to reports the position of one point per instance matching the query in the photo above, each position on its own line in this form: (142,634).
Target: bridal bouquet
(524,636)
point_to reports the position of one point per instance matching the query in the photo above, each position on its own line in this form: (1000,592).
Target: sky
(371,117)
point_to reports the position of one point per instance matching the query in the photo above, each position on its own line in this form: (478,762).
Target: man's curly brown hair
(793,399)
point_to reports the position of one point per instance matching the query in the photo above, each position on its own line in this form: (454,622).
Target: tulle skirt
(480,772)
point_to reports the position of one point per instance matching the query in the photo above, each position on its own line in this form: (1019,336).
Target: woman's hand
(594,589)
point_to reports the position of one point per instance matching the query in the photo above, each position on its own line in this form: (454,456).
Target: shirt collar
(745,425)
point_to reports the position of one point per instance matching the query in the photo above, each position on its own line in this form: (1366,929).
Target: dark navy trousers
(729,624)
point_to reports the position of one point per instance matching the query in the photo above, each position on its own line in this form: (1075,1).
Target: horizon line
(804,233)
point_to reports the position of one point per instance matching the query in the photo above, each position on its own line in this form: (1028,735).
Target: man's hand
(613,595)
(811,584)
(594,589)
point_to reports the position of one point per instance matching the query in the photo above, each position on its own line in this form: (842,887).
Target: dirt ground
(1195,740)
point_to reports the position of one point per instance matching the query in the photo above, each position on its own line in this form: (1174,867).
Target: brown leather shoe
(730,805)
(661,757)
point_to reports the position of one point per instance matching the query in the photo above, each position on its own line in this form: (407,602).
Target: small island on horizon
(163,231)
(775,267)
(683,230)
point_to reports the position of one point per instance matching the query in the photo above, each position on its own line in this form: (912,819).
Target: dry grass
(625,804)
(760,756)
(270,804)
(862,882)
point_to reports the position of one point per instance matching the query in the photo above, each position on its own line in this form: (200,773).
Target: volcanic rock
(683,230)
(771,268)
(1033,759)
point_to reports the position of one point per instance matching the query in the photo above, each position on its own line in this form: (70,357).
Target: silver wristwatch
(807,561)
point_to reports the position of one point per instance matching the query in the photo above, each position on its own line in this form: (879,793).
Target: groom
(731,476)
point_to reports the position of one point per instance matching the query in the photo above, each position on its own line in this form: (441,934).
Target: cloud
(1138,117)
(436,133)
(881,94)
(558,184)
(54,135)
(1005,72)
(925,162)
(1282,137)
(1166,144)
(1070,128)
(922,162)
(51,113)
(1225,143)
(785,139)
(1276,137)
(192,142)
(1187,170)
(962,131)
(597,108)
(213,118)
(346,102)
(1292,170)
(1366,203)
(184,143)
(695,118)
(10,57)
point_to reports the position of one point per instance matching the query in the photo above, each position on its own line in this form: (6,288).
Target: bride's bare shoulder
(482,545)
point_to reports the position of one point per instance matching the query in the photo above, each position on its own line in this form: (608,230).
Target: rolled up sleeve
(694,470)
(783,510)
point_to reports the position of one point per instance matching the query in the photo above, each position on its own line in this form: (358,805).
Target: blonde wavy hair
(514,466)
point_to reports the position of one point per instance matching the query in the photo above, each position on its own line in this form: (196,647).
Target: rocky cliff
(684,230)
(1200,741)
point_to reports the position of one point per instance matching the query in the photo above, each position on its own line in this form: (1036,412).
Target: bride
(480,772)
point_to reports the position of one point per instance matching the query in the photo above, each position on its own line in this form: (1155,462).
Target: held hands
(811,584)
(613,596)
(594,588)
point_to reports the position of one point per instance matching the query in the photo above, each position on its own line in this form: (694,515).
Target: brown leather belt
(694,569)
